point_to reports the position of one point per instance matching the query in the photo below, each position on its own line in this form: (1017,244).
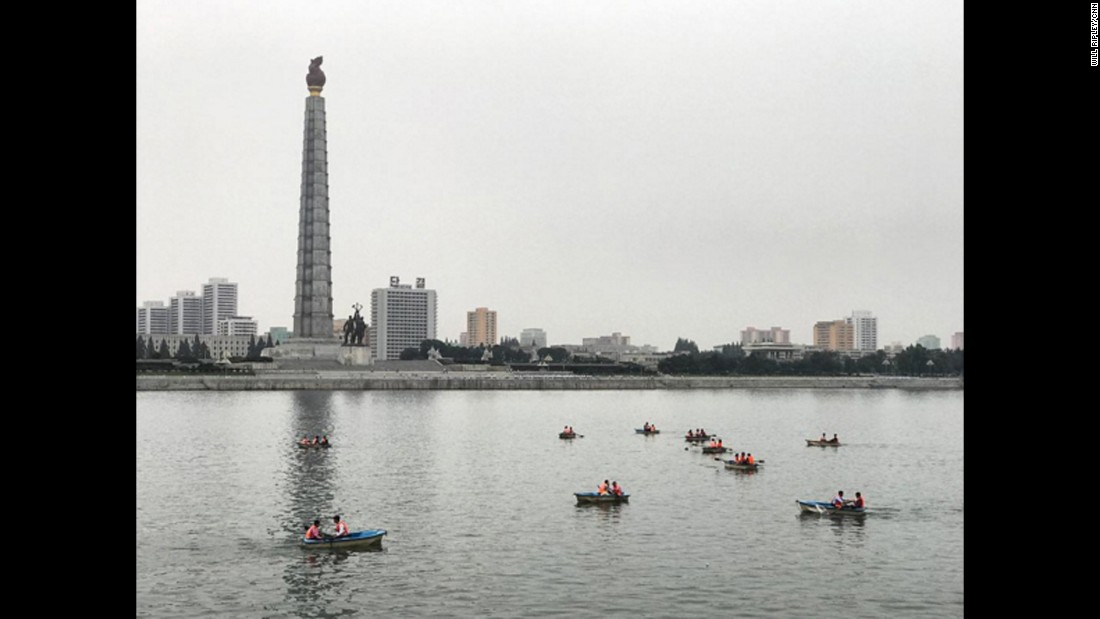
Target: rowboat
(312,446)
(821,443)
(368,538)
(596,497)
(715,450)
(567,435)
(824,507)
(697,439)
(734,466)
(643,431)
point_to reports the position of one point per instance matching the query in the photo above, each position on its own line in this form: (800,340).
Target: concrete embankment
(378,381)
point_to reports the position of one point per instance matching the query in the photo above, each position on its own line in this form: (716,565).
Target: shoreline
(353,380)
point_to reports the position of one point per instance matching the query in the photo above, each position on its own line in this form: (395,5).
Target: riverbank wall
(495,381)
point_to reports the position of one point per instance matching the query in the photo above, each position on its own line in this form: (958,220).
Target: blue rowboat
(596,497)
(824,507)
(356,540)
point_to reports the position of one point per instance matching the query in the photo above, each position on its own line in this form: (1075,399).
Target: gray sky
(662,169)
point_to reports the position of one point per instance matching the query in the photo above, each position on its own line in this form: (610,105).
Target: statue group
(355,329)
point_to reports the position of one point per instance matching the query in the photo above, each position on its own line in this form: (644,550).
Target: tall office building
(837,335)
(957,340)
(866,330)
(152,318)
(219,302)
(537,336)
(400,317)
(481,327)
(185,313)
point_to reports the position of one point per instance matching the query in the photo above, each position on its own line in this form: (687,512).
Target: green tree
(140,347)
(557,354)
(150,350)
(410,354)
(184,351)
(164,352)
(685,345)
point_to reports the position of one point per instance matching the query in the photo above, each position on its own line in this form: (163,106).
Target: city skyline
(658,169)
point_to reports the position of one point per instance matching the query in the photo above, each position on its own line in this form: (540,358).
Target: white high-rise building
(219,302)
(866,330)
(538,336)
(152,318)
(185,313)
(400,317)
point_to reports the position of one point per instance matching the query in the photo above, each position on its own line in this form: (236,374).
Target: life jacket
(860,502)
(838,501)
(341,528)
(602,488)
(750,459)
(618,490)
(313,532)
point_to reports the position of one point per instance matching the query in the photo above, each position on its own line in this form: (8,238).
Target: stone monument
(313,339)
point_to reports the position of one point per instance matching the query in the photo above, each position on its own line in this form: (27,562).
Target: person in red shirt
(314,531)
(616,489)
(341,526)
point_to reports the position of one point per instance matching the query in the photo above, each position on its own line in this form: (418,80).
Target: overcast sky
(662,169)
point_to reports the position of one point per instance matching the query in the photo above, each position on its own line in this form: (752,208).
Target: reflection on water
(476,491)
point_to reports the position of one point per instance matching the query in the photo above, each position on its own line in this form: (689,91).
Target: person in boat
(314,530)
(616,489)
(340,526)
(324,440)
(823,439)
(602,488)
(304,441)
(834,439)
(858,503)
(719,443)
(838,500)
(316,440)
(749,459)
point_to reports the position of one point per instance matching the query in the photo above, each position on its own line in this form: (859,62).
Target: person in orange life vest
(719,442)
(616,489)
(859,502)
(838,500)
(340,525)
(750,460)
(602,488)
(314,531)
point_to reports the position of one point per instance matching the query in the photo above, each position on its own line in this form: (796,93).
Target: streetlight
(930,365)
(885,366)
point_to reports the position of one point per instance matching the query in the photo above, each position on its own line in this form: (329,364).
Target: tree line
(191,351)
(915,360)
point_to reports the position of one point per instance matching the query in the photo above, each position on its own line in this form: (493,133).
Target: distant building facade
(185,313)
(865,334)
(218,345)
(237,326)
(219,302)
(152,318)
(775,335)
(401,317)
(279,334)
(481,327)
(957,340)
(929,342)
(835,335)
(535,336)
